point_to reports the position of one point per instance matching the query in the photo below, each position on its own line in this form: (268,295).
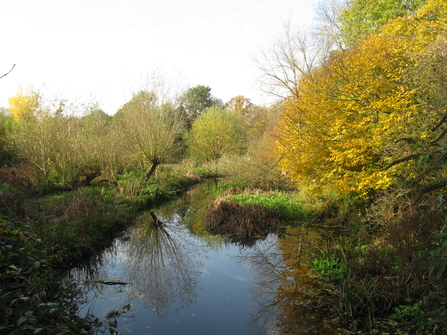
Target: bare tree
(299,50)
(328,29)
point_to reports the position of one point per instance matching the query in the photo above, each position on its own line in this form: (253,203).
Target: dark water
(181,280)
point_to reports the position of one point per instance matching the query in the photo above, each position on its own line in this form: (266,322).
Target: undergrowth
(398,272)
(33,299)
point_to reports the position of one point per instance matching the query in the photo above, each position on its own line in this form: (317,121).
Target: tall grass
(166,183)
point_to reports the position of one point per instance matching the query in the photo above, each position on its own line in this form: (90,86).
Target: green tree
(195,100)
(214,133)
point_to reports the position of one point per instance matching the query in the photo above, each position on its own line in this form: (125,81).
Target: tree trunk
(151,169)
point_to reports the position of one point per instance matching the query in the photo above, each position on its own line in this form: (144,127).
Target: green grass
(287,207)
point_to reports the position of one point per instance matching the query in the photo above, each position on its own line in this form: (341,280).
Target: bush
(330,267)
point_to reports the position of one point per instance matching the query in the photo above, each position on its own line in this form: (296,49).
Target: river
(168,275)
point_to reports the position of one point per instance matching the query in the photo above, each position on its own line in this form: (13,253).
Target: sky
(103,51)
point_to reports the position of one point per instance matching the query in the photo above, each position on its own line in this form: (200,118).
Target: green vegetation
(287,207)
(41,236)
(357,143)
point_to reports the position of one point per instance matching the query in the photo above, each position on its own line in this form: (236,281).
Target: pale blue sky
(100,49)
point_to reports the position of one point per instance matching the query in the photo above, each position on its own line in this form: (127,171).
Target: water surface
(181,280)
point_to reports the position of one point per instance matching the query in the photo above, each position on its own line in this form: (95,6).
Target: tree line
(66,148)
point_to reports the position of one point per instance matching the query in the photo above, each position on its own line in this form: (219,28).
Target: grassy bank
(286,205)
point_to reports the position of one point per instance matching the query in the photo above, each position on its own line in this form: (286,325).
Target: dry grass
(228,217)
(17,177)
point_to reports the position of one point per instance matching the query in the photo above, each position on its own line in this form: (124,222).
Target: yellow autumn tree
(23,105)
(358,124)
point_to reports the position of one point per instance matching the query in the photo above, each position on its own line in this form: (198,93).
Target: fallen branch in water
(111,281)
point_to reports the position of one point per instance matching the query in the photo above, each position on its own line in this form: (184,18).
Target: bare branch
(8,72)
(409,140)
(439,137)
(284,62)
(441,122)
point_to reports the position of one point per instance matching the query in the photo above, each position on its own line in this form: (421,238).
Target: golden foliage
(23,105)
(355,115)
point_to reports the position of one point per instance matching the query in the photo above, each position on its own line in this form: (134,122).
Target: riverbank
(387,278)
(40,235)
(380,279)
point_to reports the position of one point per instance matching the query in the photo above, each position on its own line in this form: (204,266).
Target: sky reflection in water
(180,283)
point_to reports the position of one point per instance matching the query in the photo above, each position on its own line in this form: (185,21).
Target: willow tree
(151,128)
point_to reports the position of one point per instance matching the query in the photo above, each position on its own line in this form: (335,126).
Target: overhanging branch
(429,188)
(8,72)
(405,159)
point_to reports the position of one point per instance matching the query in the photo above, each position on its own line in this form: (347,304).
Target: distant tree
(23,105)
(97,119)
(195,100)
(151,128)
(243,108)
(214,133)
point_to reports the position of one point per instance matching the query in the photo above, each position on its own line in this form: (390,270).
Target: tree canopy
(196,100)
(363,17)
(359,123)
(151,128)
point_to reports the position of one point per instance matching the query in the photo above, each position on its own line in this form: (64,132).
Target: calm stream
(172,277)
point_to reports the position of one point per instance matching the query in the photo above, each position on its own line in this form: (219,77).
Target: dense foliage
(366,135)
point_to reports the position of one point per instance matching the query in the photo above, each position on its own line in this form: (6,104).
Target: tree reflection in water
(163,255)
(159,266)
(289,299)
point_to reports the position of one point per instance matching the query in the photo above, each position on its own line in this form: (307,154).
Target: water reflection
(160,267)
(289,298)
(184,280)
